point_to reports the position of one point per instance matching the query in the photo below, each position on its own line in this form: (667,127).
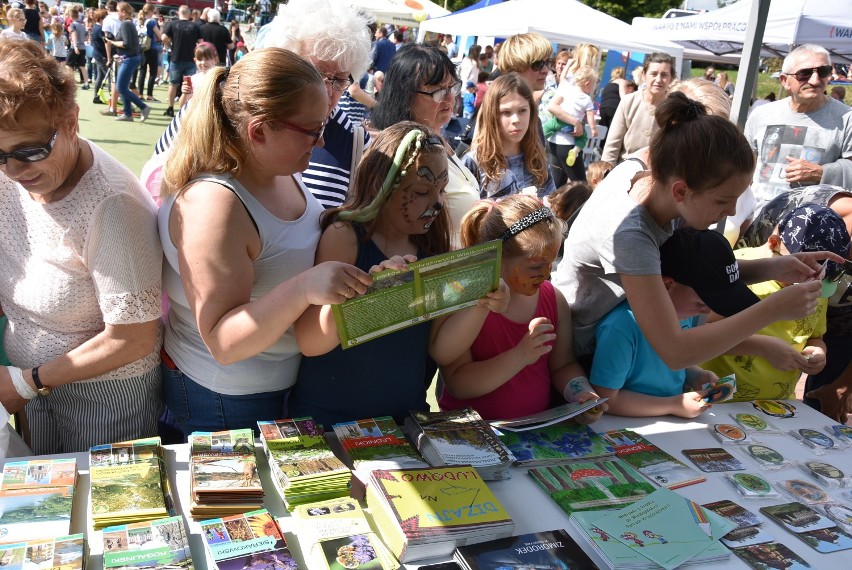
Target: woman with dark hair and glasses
(421,85)
(239,231)
(81,265)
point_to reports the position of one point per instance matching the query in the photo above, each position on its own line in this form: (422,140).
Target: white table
(530,507)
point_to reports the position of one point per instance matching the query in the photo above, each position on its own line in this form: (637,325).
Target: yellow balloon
(420,16)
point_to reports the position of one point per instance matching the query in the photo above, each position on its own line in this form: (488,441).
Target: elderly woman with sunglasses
(421,85)
(80,262)
(334,37)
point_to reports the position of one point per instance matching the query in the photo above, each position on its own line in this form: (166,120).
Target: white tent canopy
(401,12)
(564,21)
(791,22)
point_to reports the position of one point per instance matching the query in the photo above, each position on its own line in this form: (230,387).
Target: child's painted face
(686,301)
(420,196)
(700,210)
(204,65)
(524,275)
(514,118)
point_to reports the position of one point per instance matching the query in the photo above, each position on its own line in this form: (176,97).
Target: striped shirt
(327,176)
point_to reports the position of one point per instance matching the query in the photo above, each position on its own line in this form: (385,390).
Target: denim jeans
(196,408)
(122,84)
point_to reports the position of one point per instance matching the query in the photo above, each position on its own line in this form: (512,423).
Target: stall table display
(532,509)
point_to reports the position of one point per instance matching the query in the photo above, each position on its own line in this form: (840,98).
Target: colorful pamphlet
(460,437)
(224,474)
(713,459)
(250,541)
(37,512)
(658,466)
(429,288)
(61,553)
(159,544)
(556,444)
(428,512)
(592,485)
(557,414)
(39,473)
(376,443)
(545,550)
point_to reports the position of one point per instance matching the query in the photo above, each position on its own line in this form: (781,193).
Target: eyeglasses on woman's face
(439,95)
(317,135)
(805,74)
(537,65)
(337,83)
(32,153)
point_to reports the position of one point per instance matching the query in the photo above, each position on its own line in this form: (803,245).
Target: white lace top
(69,267)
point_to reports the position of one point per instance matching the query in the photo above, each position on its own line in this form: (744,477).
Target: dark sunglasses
(440,94)
(315,134)
(32,153)
(537,65)
(805,74)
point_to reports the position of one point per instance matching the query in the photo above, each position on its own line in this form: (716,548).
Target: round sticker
(751,421)
(817,438)
(840,430)
(839,512)
(774,408)
(729,431)
(766,454)
(804,490)
(824,469)
(752,482)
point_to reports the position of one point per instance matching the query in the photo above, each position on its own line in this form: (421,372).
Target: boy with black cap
(772,372)
(701,274)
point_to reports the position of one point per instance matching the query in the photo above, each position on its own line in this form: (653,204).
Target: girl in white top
(700,165)
(16,19)
(240,231)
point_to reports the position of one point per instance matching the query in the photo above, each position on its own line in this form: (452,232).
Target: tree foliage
(624,10)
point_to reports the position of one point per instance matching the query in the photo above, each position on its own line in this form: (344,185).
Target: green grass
(132,144)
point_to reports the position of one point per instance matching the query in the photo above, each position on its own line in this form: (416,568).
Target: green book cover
(429,288)
(153,544)
(659,467)
(376,439)
(25,513)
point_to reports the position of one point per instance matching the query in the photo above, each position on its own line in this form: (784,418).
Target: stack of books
(545,550)
(224,474)
(250,541)
(556,444)
(663,530)
(159,544)
(36,498)
(62,552)
(129,483)
(659,467)
(335,534)
(303,467)
(428,512)
(375,443)
(460,437)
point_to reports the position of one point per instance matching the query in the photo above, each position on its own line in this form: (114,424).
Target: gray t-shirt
(824,136)
(613,234)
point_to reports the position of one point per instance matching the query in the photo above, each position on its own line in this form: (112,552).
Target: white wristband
(24,390)
(575,387)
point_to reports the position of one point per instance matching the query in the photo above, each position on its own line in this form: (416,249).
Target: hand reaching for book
(334,282)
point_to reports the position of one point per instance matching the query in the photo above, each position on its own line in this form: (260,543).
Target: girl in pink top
(506,365)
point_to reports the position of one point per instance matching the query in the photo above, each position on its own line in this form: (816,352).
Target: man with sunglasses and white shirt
(805,138)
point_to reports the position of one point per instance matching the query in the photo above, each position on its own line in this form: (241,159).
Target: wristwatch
(40,388)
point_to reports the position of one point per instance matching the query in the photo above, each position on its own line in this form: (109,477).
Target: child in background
(700,273)
(57,43)
(510,365)
(206,59)
(468,100)
(16,19)
(395,210)
(596,172)
(569,198)
(241,51)
(770,370)
(507,156)
(481,88)
(569,107)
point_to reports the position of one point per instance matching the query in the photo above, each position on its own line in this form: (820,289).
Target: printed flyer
(429,288)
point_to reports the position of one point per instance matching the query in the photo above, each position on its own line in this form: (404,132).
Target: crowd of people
(619,278)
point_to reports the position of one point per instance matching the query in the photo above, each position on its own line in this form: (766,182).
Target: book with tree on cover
(592,485)
(224,472)
(249,541)
(129,483)
(27,513)
(60,553)
(459,437)
(428,512)
(429,288)
(303,467)
(554,549)
(659,467)
(374,443)
(556,444)
(39,473)
(159,544)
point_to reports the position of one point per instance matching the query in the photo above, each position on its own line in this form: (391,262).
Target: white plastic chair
(593,150)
